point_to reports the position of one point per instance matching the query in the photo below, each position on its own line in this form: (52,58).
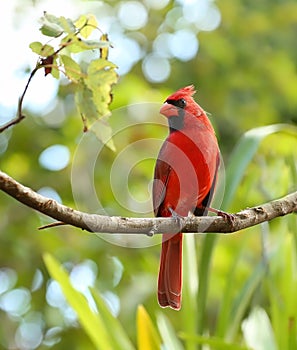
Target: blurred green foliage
(245,74)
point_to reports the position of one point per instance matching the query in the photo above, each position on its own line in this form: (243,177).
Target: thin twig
(52,224)
(19,116)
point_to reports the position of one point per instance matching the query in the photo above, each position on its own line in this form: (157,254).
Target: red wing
(200,211)
(162,171)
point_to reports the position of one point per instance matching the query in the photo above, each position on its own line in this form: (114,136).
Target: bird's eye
(181,103)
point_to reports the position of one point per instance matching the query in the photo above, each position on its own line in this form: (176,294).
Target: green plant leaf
(117,333)
(84,102)
(41,50)
(88,110)
(243,154)
(147,334)
(189,310)
(103,131)
(72,69)
(237,164)
(257,330)
(92,323)
(51,25)
(67,25)
(93,44)
(86,24)
(227,301)
(76,44)
(242,301)
(208,243)
(55,71)
(101,77)
(213,342)
(168,333)
(282,283)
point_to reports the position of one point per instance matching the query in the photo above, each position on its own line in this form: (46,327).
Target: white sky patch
(20,23)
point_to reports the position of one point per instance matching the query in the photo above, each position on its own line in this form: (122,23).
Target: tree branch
(116,224)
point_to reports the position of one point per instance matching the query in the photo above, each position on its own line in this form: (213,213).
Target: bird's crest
(187,91)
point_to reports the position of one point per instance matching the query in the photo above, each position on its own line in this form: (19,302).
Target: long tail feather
(170,273)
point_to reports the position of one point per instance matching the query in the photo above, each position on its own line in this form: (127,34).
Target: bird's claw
(227,216)
(178,218)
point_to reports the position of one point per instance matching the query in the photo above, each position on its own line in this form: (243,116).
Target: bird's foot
(178,218)
(227,216)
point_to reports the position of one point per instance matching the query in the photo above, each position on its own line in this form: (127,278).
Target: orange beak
(169,110)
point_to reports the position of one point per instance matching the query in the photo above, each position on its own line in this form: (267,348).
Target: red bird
(184,181)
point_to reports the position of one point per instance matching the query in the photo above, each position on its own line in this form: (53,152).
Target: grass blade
(189,311)
(243,153)
(242,301)
(92,323)
(257,330)
(117,333)
(213,342)
(147,334)
(168,333)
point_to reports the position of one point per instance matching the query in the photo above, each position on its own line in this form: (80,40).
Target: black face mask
(177,122)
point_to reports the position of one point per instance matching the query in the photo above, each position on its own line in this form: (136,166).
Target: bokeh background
(241,56)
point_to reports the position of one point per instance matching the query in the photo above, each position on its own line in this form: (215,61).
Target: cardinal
(184,182)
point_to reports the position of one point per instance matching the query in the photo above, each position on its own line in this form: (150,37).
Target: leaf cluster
(92,80)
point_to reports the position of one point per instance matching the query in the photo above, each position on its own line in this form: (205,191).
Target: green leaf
(93,44)
(41,50)
(51,25)
(55,71)
(101,77)
(213,342)
(81,22)
(100,64)
(72,69)
(282,283)
(208,243)
(237,164)
(72,43)
(84,102)
(55,26)
(227,301)
(189,311)
(147,334)
(103,131)
(242,301)
(257,330)
(75,44)
(243,154)
(36,46)
(86,24)
(67,25)
(168,333)
(117,332)
(92,323)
